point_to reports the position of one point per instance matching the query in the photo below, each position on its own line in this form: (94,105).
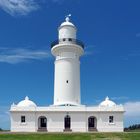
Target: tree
(132,127)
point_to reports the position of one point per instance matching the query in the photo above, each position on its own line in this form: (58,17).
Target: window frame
(70,39)
(111,119)
(23,119)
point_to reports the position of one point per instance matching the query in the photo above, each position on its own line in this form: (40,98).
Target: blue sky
(111,64)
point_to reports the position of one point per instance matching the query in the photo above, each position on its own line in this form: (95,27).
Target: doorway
(67,123)
(42,123)
(92,123)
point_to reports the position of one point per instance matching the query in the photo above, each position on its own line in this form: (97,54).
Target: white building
(67,113)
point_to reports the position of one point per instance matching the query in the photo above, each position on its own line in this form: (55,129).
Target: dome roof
(107,102)
(26,103)
(67,22)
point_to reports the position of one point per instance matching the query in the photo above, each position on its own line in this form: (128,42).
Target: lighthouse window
(67,81)
(22,119)
(111,119)
(70,39)
(64,39)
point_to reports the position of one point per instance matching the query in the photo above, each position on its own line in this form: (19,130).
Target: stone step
(67,130)
(92,129)
(42,129)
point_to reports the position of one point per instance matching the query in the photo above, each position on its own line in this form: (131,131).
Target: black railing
(67,40)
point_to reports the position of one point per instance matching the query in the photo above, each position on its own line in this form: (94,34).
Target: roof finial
(13,104)
(68,18)
(107,98)
(26,98)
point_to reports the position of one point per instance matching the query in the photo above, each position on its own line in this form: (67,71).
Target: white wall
(55,121)
(67,32)
(28,126)
(105,126)
(67,69)
(78,122)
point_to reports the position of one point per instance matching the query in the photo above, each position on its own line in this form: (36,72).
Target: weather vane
(68,18)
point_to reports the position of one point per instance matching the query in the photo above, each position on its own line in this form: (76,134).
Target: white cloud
(18,7)
(120,98)
(18,55)
(90,50)
(132,109)
(58,1)
(132,114)
(4,117)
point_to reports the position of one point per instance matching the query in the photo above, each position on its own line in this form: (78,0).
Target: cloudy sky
(111,64)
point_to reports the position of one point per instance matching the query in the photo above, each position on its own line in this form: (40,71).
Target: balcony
(67,40)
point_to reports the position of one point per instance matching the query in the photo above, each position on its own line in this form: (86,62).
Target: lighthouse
(67,51)
(66,113)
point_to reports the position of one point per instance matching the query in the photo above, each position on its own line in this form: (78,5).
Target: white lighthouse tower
(67,50)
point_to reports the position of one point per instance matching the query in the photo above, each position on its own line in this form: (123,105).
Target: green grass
(136,130)
(72,136)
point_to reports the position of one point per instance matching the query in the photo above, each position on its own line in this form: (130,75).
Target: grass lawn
(137,130)
(71,136)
